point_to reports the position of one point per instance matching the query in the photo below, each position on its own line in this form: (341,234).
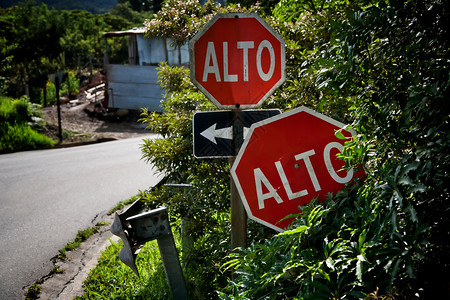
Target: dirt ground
(83,123)
(84,120)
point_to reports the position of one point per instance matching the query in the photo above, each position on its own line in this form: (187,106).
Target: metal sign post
(237,60)
(238,215)
(58,104)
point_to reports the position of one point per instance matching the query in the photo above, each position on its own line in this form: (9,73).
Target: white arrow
(212,133)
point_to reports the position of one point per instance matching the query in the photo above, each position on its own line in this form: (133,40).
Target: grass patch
(18,117)
(20,137)
(112,279)
(56,270)
(102,223)
(33,291)
(122,204)
(82,235)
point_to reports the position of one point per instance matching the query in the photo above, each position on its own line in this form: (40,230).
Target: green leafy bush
(17,119)
(204,208)
(50,89)
(69,88)
(393,62)
(388,64)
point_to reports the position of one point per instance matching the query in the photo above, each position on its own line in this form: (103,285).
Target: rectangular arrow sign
(221,133)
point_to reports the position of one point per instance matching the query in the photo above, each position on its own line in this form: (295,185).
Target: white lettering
(245,46)
(305,156)
(329,165)
(227,77)
(211,65)
(268,45)
(286,185)
(214,68)
(261,178)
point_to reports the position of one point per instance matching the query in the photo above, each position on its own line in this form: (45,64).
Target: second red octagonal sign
(288,160)
(237,60)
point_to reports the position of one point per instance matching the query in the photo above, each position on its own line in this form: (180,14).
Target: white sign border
(247,140)
(200,33)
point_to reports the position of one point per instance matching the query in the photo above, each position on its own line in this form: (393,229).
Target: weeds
(122,204)
(81,237)
(18,118)
(112,279)
(102,223)
(57,270)
(33,291)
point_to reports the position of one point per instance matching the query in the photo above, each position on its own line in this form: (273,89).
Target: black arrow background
(239,119)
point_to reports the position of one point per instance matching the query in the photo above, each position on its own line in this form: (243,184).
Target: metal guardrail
(136,226)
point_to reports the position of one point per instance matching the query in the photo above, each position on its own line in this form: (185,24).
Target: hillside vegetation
(93,6)
(36,40)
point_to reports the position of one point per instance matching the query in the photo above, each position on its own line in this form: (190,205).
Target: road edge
(69,283)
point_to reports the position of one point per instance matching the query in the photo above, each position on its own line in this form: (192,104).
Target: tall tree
(31,35)
(36,41)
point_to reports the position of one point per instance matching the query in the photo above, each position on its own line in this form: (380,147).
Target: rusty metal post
(238,217)
(238,214)
(58,104)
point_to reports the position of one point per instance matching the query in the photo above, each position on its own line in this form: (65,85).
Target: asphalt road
(47,196)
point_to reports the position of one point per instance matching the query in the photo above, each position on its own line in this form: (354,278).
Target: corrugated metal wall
(135,86)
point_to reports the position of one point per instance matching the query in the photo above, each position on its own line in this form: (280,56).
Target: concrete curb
(69,284)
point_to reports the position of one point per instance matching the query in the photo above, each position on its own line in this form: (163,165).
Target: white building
(134,85)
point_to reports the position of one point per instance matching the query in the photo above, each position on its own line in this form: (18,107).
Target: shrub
(203,207)
(16,118)
(15,110)
(383,66)
(389,238)
(21,137)
(68,88)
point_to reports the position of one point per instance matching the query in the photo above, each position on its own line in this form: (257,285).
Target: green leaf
(297,230)
(324,274)
(320,286)
(359,266)
(412,213)
(339,135)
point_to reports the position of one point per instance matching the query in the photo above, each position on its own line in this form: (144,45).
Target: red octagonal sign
(288,160)
(237,60)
